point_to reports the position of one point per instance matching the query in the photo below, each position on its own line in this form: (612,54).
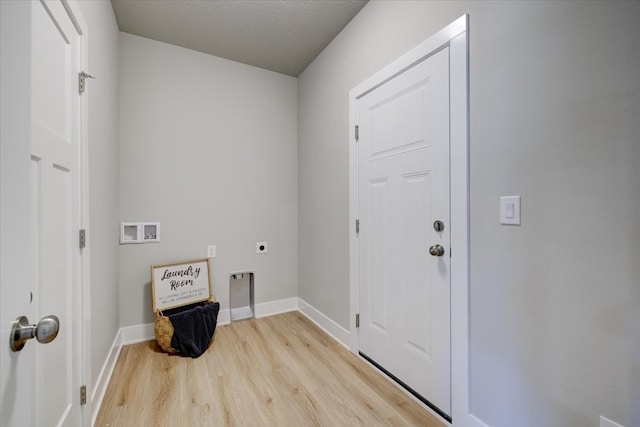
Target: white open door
(404,230)
(41,197)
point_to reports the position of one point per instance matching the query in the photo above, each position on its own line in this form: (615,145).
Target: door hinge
(82,76)
(82,240)
(357,226)
(357,133)
(358,320)
(83,395)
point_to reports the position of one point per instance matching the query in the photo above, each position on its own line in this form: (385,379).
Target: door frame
(455,36)
(82,311)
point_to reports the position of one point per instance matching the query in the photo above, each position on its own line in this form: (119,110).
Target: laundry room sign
(180,283)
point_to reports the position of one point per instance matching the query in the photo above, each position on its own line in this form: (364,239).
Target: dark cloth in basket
(194,328)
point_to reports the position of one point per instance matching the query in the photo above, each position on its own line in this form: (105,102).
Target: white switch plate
(261,247)
(608,423)
(211,251)
(510,210)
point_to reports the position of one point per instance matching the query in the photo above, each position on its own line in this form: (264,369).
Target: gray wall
(102,93)
(208,149)
(555,109)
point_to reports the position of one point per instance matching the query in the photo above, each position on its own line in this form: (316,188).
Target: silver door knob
(436,250)
(45,331)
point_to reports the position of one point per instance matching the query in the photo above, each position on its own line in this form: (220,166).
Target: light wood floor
(280,370)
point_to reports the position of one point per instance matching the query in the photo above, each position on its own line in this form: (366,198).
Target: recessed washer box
(139,232)
(129,232)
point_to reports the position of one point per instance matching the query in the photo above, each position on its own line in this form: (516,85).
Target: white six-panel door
(403,187)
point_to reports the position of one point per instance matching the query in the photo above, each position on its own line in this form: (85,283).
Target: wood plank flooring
(274,371)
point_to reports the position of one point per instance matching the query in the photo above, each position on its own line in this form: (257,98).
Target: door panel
(379,317)
(50,46)
(397,123)
(416,207)
(403,176)
(41,212)
(55,207)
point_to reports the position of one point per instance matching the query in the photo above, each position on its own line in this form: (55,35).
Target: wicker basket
(164,332)
(164,329)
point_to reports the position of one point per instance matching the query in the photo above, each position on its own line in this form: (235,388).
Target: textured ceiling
(278,35)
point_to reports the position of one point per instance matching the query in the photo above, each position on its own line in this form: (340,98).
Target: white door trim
(84,299)
(454,35)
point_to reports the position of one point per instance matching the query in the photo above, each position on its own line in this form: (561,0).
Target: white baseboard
(100,387)
(137,333)
(276,307)
(473,421)
(334,330)
(224,317)
(605,422)
(240,313)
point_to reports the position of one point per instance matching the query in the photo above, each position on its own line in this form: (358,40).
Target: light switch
(510,210)
(509,214)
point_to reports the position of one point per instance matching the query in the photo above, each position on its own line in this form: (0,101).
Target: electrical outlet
(211,251)
(261,247)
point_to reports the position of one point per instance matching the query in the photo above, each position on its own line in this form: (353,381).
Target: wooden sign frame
(180,283)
